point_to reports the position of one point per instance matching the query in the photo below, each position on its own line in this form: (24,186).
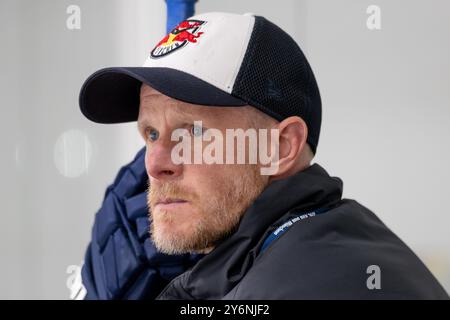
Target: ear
(293,132)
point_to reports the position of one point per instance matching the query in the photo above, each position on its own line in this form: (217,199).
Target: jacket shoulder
(346,253)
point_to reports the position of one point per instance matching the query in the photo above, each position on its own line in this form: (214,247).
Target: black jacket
(326,256)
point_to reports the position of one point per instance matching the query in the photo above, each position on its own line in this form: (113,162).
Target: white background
(385,128)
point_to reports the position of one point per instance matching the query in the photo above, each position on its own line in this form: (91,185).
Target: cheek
(205,179)
(147,158)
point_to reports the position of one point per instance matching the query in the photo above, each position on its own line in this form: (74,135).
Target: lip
(170,203)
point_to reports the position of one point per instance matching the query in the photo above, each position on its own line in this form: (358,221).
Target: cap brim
(111,95)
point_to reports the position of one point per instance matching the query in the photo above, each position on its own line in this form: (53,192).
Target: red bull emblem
(186,32)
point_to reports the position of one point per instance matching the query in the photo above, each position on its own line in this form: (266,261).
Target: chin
(170,242)
(174,228)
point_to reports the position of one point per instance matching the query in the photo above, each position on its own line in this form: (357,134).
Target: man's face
(193,206)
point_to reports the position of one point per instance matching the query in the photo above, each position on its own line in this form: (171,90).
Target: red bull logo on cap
(186,32)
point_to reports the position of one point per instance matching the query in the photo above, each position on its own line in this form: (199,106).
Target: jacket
(332,255)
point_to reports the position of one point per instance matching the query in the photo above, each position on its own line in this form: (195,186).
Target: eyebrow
(144,122)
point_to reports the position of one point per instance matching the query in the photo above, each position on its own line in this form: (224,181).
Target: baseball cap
(214,59)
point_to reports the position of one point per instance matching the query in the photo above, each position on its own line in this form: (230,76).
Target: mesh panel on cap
(276,78)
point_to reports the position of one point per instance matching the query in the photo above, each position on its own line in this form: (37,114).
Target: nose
(159,164)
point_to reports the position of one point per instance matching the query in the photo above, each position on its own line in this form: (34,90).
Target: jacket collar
(219,271)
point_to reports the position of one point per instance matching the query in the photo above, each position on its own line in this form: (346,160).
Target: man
(271,224)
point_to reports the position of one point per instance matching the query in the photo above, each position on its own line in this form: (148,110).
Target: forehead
(155,106)
(154,102)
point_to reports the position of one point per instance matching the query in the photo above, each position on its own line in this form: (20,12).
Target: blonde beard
(219,214)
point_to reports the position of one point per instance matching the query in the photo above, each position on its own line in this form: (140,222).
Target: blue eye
(197,131)
(153,135)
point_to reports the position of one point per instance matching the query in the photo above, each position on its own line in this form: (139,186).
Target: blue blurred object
(177,11)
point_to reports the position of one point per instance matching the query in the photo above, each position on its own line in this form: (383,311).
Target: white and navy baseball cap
(214,59)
